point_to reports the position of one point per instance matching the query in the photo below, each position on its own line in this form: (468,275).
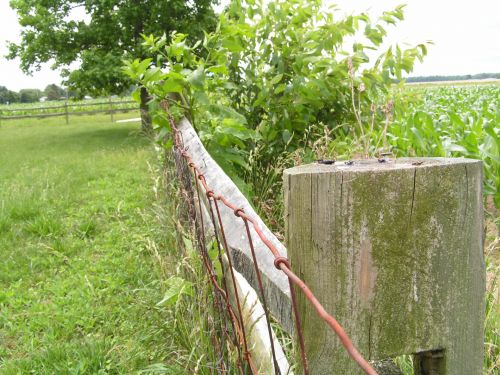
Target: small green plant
(492,320)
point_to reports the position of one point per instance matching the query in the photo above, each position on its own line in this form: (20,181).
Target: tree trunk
(146,124)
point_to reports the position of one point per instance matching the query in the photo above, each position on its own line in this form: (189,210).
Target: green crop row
(452,121)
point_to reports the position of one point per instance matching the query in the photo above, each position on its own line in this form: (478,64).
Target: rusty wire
(280,262)
(222,292)
(262,295)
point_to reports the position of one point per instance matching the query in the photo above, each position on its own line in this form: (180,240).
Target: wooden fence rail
(277,289)
(110,109)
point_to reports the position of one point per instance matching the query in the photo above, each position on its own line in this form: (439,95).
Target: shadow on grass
(118,135)
(54,139)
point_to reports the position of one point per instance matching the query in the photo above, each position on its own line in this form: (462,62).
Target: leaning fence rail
(212,197)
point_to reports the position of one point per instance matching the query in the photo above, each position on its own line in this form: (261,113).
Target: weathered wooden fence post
(394,251)
(111,109)
(66,113)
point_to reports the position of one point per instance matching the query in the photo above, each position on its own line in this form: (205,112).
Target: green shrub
(271,74)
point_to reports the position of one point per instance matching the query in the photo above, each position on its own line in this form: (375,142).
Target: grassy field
(78,282)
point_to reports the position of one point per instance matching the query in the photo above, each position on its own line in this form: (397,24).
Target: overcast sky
(466,36)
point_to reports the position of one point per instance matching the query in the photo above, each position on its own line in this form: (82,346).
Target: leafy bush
(259,86)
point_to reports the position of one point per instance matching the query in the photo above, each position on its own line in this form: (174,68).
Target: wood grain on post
(394,252)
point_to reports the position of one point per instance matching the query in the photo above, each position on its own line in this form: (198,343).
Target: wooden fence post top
(366,165)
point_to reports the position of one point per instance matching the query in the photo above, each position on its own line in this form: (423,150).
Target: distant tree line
(453,78)
(51,92)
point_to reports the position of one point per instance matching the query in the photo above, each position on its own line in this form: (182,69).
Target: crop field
(472,82)
(453,121)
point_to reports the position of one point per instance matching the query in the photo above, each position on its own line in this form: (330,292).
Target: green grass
(89,249)
(78,282)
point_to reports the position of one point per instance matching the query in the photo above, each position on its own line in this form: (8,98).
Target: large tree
(54,92)
(8,96)
(110,32)
(30,95)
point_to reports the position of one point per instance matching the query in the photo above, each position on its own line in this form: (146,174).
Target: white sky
(466,36)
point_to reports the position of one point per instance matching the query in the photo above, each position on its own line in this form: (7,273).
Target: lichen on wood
(394,251)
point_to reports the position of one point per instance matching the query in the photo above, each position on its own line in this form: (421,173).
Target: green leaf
(152,75)
(280,88)
(136,95)
(227,112)
(168,144)
(176,288)
(276,79)
(172,85)
(141,67)
(197,77)
(222,69)
(455,148)
(376,34)
(163,132)
(233,44)
(286,135)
